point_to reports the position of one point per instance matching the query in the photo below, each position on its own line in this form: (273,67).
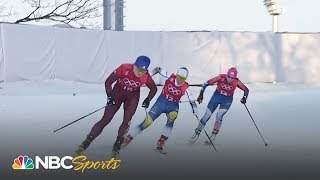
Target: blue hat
(142,62)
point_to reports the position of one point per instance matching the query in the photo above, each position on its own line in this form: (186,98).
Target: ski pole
(147,118)
(78,119)
(186,101)
(203,129)
(256,126)
(207,135)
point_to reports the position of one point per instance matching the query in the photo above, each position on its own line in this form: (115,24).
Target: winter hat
(142,62)
(232,72)
(183,72)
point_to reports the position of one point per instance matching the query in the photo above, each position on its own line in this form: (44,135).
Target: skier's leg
(130,107)
(84,145)
(153,114)
(171,117)
(224,107)
(218,122)
(109,112)
(213,104)
(156,110)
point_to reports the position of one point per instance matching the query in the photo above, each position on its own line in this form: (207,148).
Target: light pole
(113,15)
(119,5)
(274,11)
(107,23)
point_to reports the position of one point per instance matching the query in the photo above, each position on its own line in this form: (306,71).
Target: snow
(286,114)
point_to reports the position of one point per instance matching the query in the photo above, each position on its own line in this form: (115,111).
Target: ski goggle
(141,70)
(230,77)
(181,77)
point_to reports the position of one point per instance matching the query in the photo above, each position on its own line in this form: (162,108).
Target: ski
(207,142)
(191,141)
(115,155)
(194,138)
(162,151)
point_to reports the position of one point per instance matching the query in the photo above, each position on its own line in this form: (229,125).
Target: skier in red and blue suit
(129,78)
(223,96)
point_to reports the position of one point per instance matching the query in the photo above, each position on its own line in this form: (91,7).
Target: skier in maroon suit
(129,78)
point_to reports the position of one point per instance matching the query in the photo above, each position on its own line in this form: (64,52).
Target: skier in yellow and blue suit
(168,102)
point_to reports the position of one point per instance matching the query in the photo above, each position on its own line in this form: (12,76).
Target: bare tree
(4,12)
(72,12)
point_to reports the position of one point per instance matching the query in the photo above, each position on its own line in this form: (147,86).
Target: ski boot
(126,140)
(214,132)
(84,145)
(212,137)
(160,145)
(116,147)
(115,153)
(195,136)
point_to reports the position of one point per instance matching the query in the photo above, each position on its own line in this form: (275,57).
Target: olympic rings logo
(173,90)
(226,87)
(131,83)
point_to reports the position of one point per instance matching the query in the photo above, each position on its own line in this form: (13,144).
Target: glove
(146,103)
(111,101)
(200,98)
(243,100)
(155,70)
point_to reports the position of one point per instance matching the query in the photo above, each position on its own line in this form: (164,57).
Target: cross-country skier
(168,102)
(223,96)
(129,78)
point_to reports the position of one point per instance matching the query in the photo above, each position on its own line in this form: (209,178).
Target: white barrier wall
(194,50)
(299,57)
(252,53)
(38,53)
(125,47)
(81,55)
(29,52)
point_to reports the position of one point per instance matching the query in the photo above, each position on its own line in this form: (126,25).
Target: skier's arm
(244,88)
(209,82)
(153,89)
(111,79)
(162,72)
(203,88)
(205,85)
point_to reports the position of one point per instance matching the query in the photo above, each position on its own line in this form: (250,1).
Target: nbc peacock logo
(23,162)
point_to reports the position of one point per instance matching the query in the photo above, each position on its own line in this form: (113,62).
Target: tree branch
(66,12)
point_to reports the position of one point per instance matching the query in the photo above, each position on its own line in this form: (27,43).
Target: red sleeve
(214,80)
(243,88)
(152,86)
(112,78)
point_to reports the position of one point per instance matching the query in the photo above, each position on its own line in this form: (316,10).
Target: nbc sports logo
(23,162)
(49,162)
(79,163)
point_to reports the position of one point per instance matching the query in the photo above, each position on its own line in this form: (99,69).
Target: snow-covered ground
(286,114)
